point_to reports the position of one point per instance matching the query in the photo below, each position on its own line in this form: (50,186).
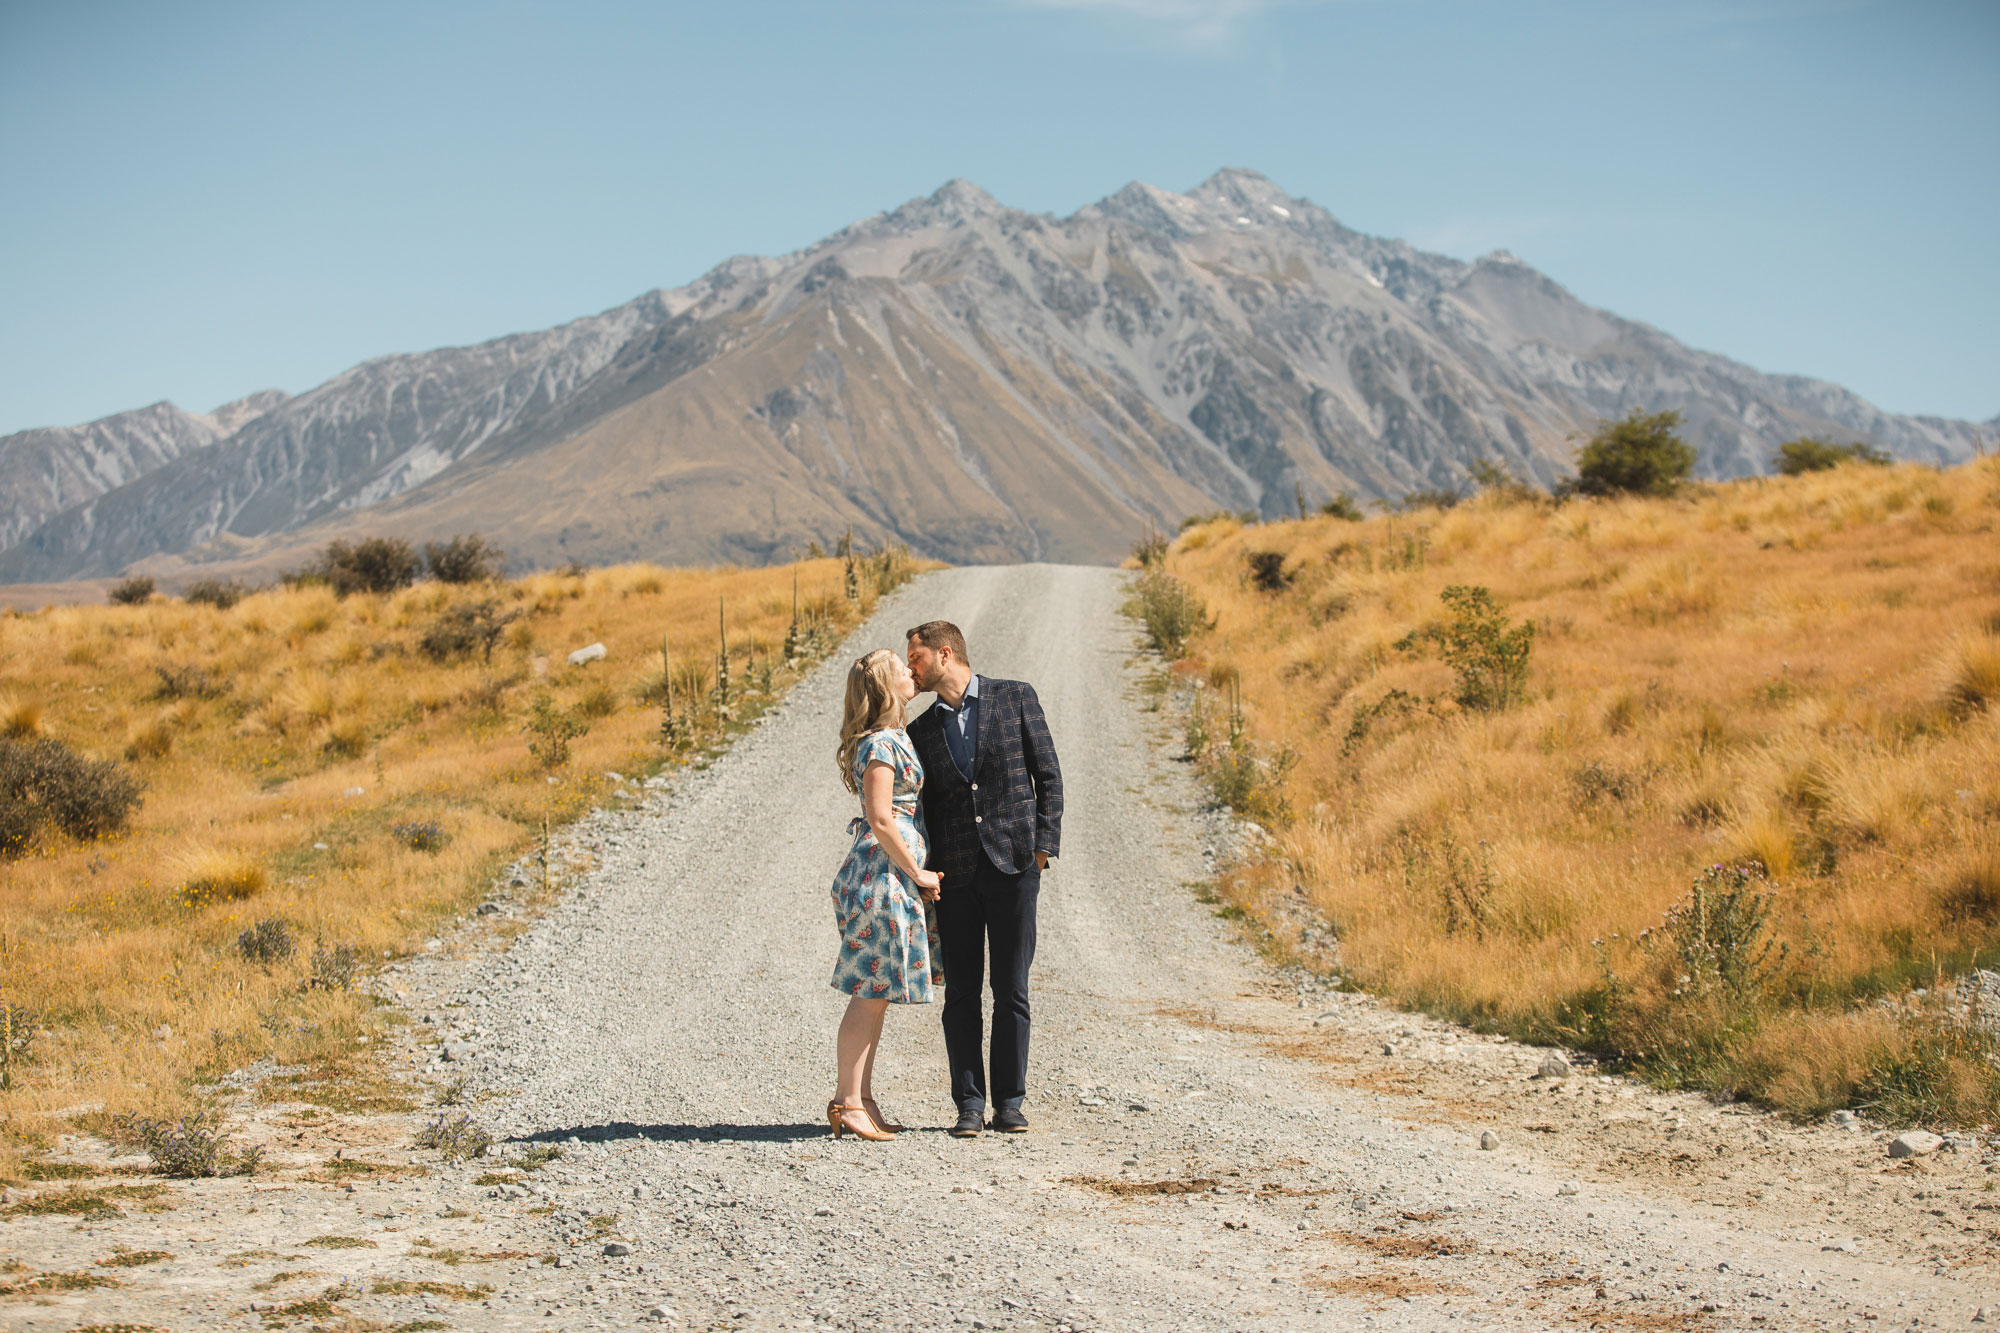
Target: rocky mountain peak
(1243,190)
(958,202)
(234,416)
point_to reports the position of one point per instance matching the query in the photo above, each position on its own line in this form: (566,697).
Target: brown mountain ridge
(983,383)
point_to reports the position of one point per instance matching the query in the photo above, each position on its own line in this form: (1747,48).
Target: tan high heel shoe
(882,1122)
(844,1119)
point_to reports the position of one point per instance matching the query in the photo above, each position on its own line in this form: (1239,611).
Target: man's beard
(927,683)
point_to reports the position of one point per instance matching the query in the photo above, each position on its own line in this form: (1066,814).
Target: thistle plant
(673,727)
(721,657)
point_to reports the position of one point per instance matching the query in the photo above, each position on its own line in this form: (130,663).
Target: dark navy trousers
(993,915)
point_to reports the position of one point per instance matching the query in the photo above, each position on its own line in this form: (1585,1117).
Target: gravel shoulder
(1216,1145)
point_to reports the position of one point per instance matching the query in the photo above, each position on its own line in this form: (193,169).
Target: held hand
(1041,860)
(929,883)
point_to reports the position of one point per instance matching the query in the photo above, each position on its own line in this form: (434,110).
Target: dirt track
(1213,1148)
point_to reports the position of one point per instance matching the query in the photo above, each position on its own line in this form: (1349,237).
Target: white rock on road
(1914,1143)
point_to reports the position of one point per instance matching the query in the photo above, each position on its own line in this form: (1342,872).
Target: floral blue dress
(888,934)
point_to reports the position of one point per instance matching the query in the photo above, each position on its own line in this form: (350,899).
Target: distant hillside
(983,383)
(45,471)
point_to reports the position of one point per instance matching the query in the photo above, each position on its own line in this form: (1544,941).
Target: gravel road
(1215,1146)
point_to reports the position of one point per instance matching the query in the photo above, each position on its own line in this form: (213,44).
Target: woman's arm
(878,804)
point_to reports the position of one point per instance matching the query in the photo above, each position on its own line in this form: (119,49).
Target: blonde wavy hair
(872,705)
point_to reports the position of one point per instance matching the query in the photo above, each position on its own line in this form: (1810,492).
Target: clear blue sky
(205,199)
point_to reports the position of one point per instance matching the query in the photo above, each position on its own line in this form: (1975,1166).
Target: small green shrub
(1429,497)
(44,782)
(1247,517)
(465,629)
(1343,506)
(188,681)
(455,1136)
(191,1146)
(1150,550)
(552,730)
(1598,781)
(1170,610)
(269,941)
(1637,455)
(1391,707)
(135,591)
(334,966)
(466,558)
(1806,454)
(217,593)
(1490,658)
(421,835)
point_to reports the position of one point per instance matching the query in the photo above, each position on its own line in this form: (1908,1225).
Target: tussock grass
(302,732)
(1799,675)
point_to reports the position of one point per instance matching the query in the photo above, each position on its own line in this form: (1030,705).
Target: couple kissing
(961,811)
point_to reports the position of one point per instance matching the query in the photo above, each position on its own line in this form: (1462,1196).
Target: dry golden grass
(273,792)
(1796,673)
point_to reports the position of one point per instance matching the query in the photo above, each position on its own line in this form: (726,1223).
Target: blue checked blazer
(1013,806)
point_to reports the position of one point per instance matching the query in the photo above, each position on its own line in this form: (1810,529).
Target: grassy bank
(334,776)
(1508,803)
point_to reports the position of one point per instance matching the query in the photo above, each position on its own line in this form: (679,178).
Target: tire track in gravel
(1205,1154)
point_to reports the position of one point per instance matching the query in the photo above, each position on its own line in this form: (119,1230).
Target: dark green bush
(466,558)
(216,593)
(1343,506)
(188,681)
(1430,497)
(1637,455)
(269,941)
(1806,454)
(373,564)
(464,629)
(135,591)
(1267,571)
(1247,517)
(43,781)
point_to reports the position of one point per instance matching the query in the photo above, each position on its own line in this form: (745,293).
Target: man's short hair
(936,634)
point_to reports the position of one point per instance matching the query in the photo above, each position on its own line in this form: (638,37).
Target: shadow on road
(619,1130)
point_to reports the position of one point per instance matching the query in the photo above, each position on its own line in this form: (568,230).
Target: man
(993,813)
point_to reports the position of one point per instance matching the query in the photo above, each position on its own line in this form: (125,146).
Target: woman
(888,935)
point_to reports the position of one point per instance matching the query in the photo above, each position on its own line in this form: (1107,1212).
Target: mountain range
(982,383)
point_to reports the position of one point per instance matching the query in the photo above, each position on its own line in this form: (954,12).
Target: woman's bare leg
(868,1069)
(860,1033)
